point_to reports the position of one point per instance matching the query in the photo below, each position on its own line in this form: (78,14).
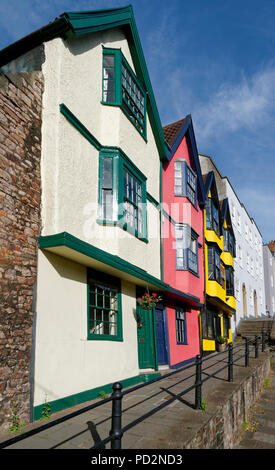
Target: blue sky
(214,59)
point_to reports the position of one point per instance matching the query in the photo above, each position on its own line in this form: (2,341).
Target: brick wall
(20,140)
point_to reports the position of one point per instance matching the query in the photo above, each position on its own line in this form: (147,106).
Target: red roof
(171,131)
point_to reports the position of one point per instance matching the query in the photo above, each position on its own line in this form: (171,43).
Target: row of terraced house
(123,250)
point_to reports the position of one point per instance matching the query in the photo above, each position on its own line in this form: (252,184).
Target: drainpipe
(33,351)
(204,287)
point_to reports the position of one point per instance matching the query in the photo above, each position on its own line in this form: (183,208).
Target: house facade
(95,235)
(248,263)
(183,241)
(269,279)
(220,303)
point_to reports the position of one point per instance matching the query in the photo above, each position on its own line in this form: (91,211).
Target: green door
(146,339)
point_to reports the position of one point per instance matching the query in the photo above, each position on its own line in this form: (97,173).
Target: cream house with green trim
(101,156)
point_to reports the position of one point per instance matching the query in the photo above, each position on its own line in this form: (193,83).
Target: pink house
(183,238)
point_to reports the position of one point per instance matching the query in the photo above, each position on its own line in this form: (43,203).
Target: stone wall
(20,149)
(222,430)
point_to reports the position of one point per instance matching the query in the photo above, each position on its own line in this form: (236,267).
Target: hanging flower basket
(148,301)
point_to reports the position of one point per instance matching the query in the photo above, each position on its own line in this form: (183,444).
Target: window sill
(123,226)
(186,197)
(189,271)
(104,338)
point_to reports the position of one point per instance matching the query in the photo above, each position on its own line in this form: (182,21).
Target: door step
(148,376)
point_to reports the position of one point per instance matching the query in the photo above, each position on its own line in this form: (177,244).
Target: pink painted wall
(181,210)
(183,352)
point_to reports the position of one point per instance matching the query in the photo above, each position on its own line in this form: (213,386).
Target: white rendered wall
(66,362)
(248,264)
(73,76)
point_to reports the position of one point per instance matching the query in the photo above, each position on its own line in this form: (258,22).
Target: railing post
(198,383)
(116,416)
(230,362)
(256,347)
(246,352)
(263,341)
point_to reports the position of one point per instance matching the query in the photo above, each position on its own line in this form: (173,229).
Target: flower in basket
(148,301)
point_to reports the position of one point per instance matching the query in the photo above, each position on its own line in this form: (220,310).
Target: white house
(102,147)
(269,277)
(248,264)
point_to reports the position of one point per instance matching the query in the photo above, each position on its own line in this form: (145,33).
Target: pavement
(170,428)
(259,428)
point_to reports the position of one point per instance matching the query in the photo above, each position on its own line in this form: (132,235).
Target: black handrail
(117,430)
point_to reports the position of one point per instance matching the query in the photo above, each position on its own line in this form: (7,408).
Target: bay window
(121,87)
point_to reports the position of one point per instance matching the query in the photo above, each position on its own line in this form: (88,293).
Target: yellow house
(220,303)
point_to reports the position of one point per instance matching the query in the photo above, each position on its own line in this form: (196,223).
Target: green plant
(15,422)
(203,405)
(102,394)
(221,340)
(267,383)
(249,425)
(15,425)
(46,411)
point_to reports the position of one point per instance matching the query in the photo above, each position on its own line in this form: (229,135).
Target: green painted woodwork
(100,20)
(82,397)
(149,377)
(146,339)
(118,100)
(79,126)
(65,239)
(109,280)
(120,161)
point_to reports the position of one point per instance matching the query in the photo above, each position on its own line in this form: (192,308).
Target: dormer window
(122,88)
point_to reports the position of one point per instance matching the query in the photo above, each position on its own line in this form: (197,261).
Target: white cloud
(242,106)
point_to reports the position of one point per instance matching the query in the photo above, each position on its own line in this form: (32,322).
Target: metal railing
(117,431)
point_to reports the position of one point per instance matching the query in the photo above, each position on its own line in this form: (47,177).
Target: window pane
(133,99)
(108,78)
(132,201)
(103,314)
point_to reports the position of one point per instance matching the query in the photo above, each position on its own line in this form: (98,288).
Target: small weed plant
(46,411)
(102,394)
(15,425)
(267,383)
(203,405)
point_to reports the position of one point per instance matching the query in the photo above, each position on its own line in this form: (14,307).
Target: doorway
(161,336)
(147,357)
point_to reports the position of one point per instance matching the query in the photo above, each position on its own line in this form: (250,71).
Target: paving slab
(170,427)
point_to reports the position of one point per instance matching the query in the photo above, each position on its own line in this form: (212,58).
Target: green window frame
(122,194)
(121,87)
(104,307)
